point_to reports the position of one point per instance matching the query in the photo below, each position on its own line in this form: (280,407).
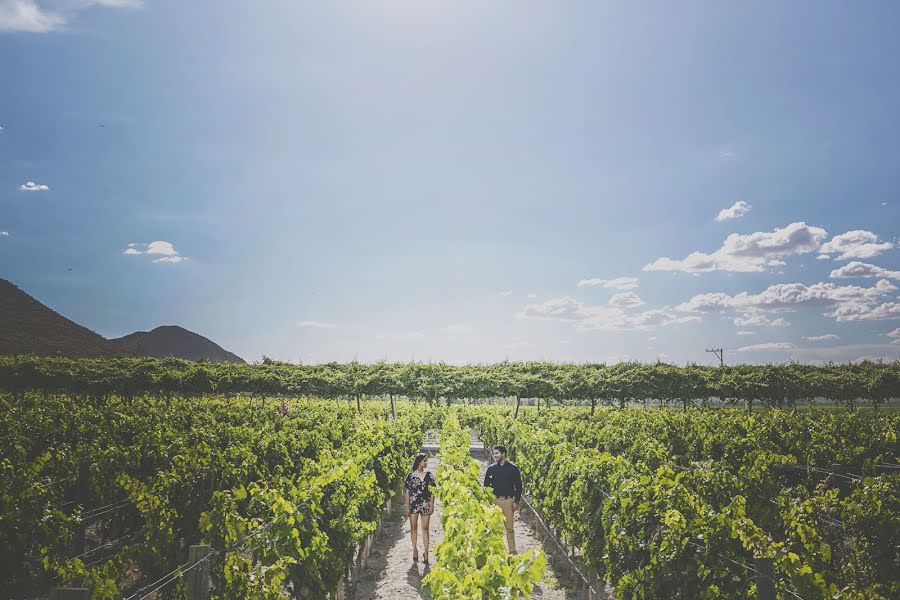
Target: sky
(459,181)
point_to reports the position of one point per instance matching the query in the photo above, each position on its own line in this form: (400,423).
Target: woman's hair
(418,459)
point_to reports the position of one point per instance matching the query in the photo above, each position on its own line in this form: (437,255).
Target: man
(505,479)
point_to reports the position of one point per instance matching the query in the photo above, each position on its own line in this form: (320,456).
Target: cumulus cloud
(625,300)
(622,283)
(532,295)
(822,338)
(457,329)
(164,251)
(316,324)
(746,333)
(593,281)
(855,244)
(788,297)
(857,269)
(4,233)
(756,319)
(30,186)
(735,211)
(894,335)
(605,318)
(754,252)
(619,283)
(861,312)
(28,16)
(767,347)
(506,293)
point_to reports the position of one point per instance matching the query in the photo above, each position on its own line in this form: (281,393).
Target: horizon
(464,184)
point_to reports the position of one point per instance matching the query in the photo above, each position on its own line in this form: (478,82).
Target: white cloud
(787,297)
(316,324)
(822,257)
(746,333)
(754,252)
(165,250)
(855,244)
(532,295)
(594,281)
(622,283)
(856,269)
(894,335)
(767,347)
(751,320)
(27,16)
(780,323)
(619,283)
(822,338)
(4,233)
(605,318)
(457,329)
(30,186)
(506,293)
(860,312)
(625,300)
(735,211)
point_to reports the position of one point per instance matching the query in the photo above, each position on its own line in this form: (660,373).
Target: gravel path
(391,574)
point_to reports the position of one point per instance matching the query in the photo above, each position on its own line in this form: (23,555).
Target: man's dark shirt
(505,480)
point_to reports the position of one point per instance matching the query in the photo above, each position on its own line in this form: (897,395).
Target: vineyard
(127,477)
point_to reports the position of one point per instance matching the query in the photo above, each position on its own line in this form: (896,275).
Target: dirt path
(392,575)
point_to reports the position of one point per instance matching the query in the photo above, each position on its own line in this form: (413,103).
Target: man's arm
(517,485)
(485,484)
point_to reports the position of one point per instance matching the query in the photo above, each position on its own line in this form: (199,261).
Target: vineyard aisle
(391,574)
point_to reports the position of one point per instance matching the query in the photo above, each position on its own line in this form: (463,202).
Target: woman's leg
(413,525)
(426,535)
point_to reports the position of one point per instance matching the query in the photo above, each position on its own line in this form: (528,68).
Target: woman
(419,501)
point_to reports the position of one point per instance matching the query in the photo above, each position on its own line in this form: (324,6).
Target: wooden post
(838,470)
(72,594)
(765,582)
(198,577)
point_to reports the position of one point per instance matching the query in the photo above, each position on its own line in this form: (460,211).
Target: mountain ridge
(27,326)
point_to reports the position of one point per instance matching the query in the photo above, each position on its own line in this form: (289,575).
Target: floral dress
(419,492)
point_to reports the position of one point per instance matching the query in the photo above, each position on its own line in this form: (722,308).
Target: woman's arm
(408,512)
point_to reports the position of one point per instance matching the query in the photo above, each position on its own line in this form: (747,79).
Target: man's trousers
(506,505)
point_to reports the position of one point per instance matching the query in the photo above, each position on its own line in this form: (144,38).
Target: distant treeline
(771,385)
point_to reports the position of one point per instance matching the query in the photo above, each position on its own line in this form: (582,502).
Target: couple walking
(503,477)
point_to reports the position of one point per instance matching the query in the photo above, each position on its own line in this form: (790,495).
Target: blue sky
(432,180)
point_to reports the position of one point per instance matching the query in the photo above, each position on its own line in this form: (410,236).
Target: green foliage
(472,563)
(672,504)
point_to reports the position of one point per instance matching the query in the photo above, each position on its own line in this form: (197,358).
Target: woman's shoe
(426,560)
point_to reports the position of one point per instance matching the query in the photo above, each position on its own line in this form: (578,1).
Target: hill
(29,327)
(171,340)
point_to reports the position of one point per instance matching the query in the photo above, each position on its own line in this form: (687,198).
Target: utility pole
(720,352)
